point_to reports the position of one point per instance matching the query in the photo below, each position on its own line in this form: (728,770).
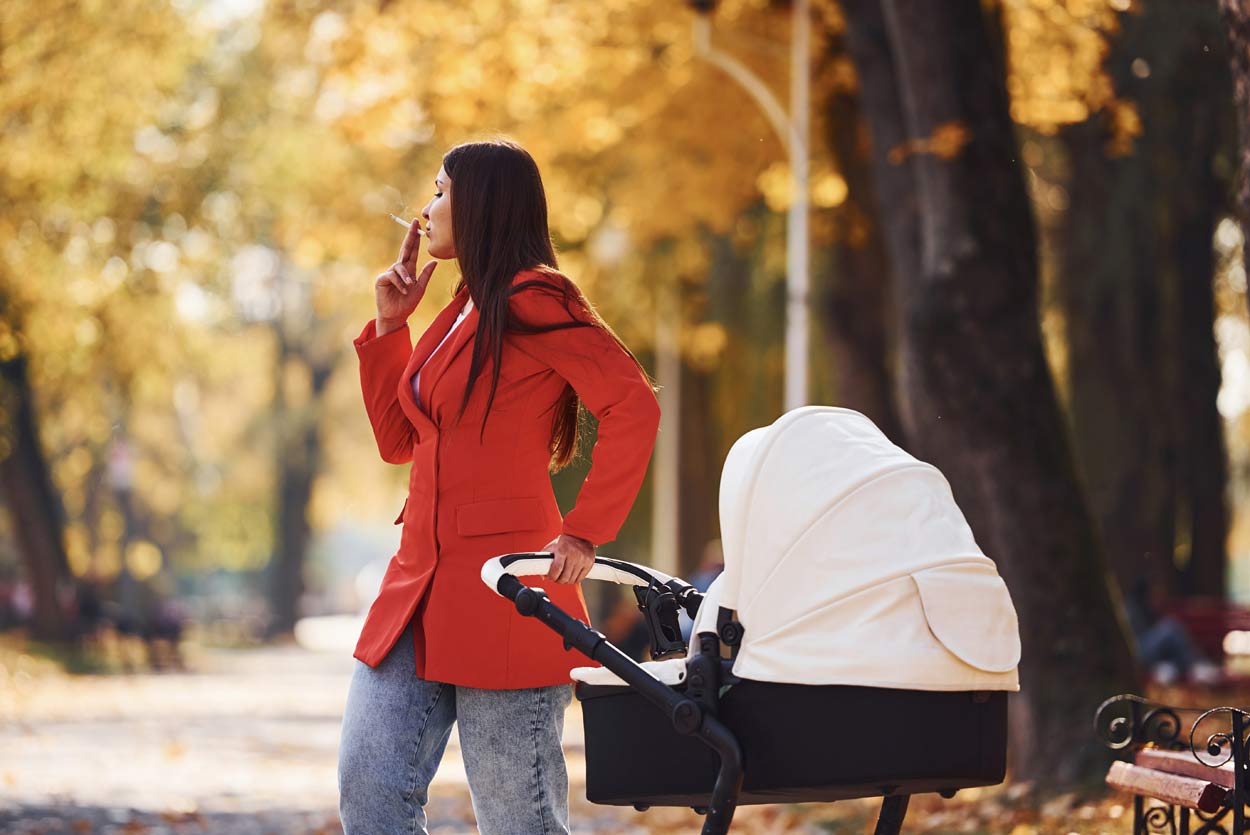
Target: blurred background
(1010,232)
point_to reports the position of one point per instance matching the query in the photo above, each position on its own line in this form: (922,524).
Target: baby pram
(857,644)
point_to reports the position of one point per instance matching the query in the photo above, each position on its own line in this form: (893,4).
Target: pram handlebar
(609,570)
(686,715)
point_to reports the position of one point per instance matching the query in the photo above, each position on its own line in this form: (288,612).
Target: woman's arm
(615,392)
(385,346)
(382,362)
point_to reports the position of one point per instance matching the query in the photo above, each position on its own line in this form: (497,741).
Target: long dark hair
(499,223)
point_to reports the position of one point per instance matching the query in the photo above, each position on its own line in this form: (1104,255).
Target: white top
(848,562)
(416,378)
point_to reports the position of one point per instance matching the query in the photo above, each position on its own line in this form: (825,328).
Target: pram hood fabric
(848,562)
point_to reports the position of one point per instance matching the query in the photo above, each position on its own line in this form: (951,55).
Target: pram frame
(693,714)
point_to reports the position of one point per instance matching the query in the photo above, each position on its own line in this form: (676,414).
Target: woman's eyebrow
(438,183)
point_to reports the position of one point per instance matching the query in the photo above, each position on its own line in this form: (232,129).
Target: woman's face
(438,219)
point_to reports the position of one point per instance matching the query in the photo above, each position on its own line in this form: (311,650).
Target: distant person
(1164,646)
(483,408)
(23,601)
(626,628)
(710,567)
(90,610)
(8,608)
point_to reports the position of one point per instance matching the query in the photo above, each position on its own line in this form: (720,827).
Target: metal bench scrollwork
(1189,763)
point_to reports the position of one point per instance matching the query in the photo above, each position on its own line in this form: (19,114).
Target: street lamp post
(793,132)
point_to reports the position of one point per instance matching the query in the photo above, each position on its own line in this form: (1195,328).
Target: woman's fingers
(391,277)
(411,240)
(572,568)
(557,566)
(426,271)
(585,569)
(571,562)
(411,261)
(397,281)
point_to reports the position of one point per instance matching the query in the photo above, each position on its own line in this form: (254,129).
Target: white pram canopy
(848,562)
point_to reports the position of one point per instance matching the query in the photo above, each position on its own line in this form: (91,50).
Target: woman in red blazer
(499,377)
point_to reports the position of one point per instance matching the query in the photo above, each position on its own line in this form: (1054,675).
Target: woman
(484,407)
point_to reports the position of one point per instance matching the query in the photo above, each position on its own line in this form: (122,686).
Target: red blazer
(469,501)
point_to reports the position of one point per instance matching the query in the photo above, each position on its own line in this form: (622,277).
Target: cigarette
(405,223)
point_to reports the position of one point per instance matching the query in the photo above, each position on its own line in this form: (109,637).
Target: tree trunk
(1200,134)
(860,312)
(1236,15)
(1112,295)
(1202,461)
(31,500)
(741,298)
(699,470)
(1136,265)
(980,403)
(298,462)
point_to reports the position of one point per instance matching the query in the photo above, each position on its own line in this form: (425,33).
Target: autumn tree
(860,313)
(1144,193)
(1236,17)
(979,401)
(66,172)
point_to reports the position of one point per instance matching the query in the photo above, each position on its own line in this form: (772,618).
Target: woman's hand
(398,291)
(574,557)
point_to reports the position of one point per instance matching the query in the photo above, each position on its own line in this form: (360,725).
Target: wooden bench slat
(1171,788)
(1183,763)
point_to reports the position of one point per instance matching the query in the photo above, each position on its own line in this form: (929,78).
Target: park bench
(1209,622)
(1189,764)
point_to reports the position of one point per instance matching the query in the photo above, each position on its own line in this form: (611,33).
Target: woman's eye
(438,194)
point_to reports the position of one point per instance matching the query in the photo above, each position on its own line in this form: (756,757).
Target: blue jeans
(395,729)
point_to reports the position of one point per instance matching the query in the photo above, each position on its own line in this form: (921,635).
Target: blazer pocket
(499,516)
(400,517)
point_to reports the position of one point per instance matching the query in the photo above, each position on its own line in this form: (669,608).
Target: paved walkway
(247,743)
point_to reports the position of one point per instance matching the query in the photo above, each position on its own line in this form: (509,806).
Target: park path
(245,744)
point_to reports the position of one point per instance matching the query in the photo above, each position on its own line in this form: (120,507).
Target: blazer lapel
(425,345)
(444,356)
(438,363)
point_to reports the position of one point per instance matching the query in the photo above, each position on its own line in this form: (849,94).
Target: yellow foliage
(175,146)
(77,549)
(143,560)
(704,344)
(1055,54)
(1126,125)
(946,142)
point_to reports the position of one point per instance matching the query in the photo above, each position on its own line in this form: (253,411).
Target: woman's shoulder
(540,277)
(541,285)
(546,294)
